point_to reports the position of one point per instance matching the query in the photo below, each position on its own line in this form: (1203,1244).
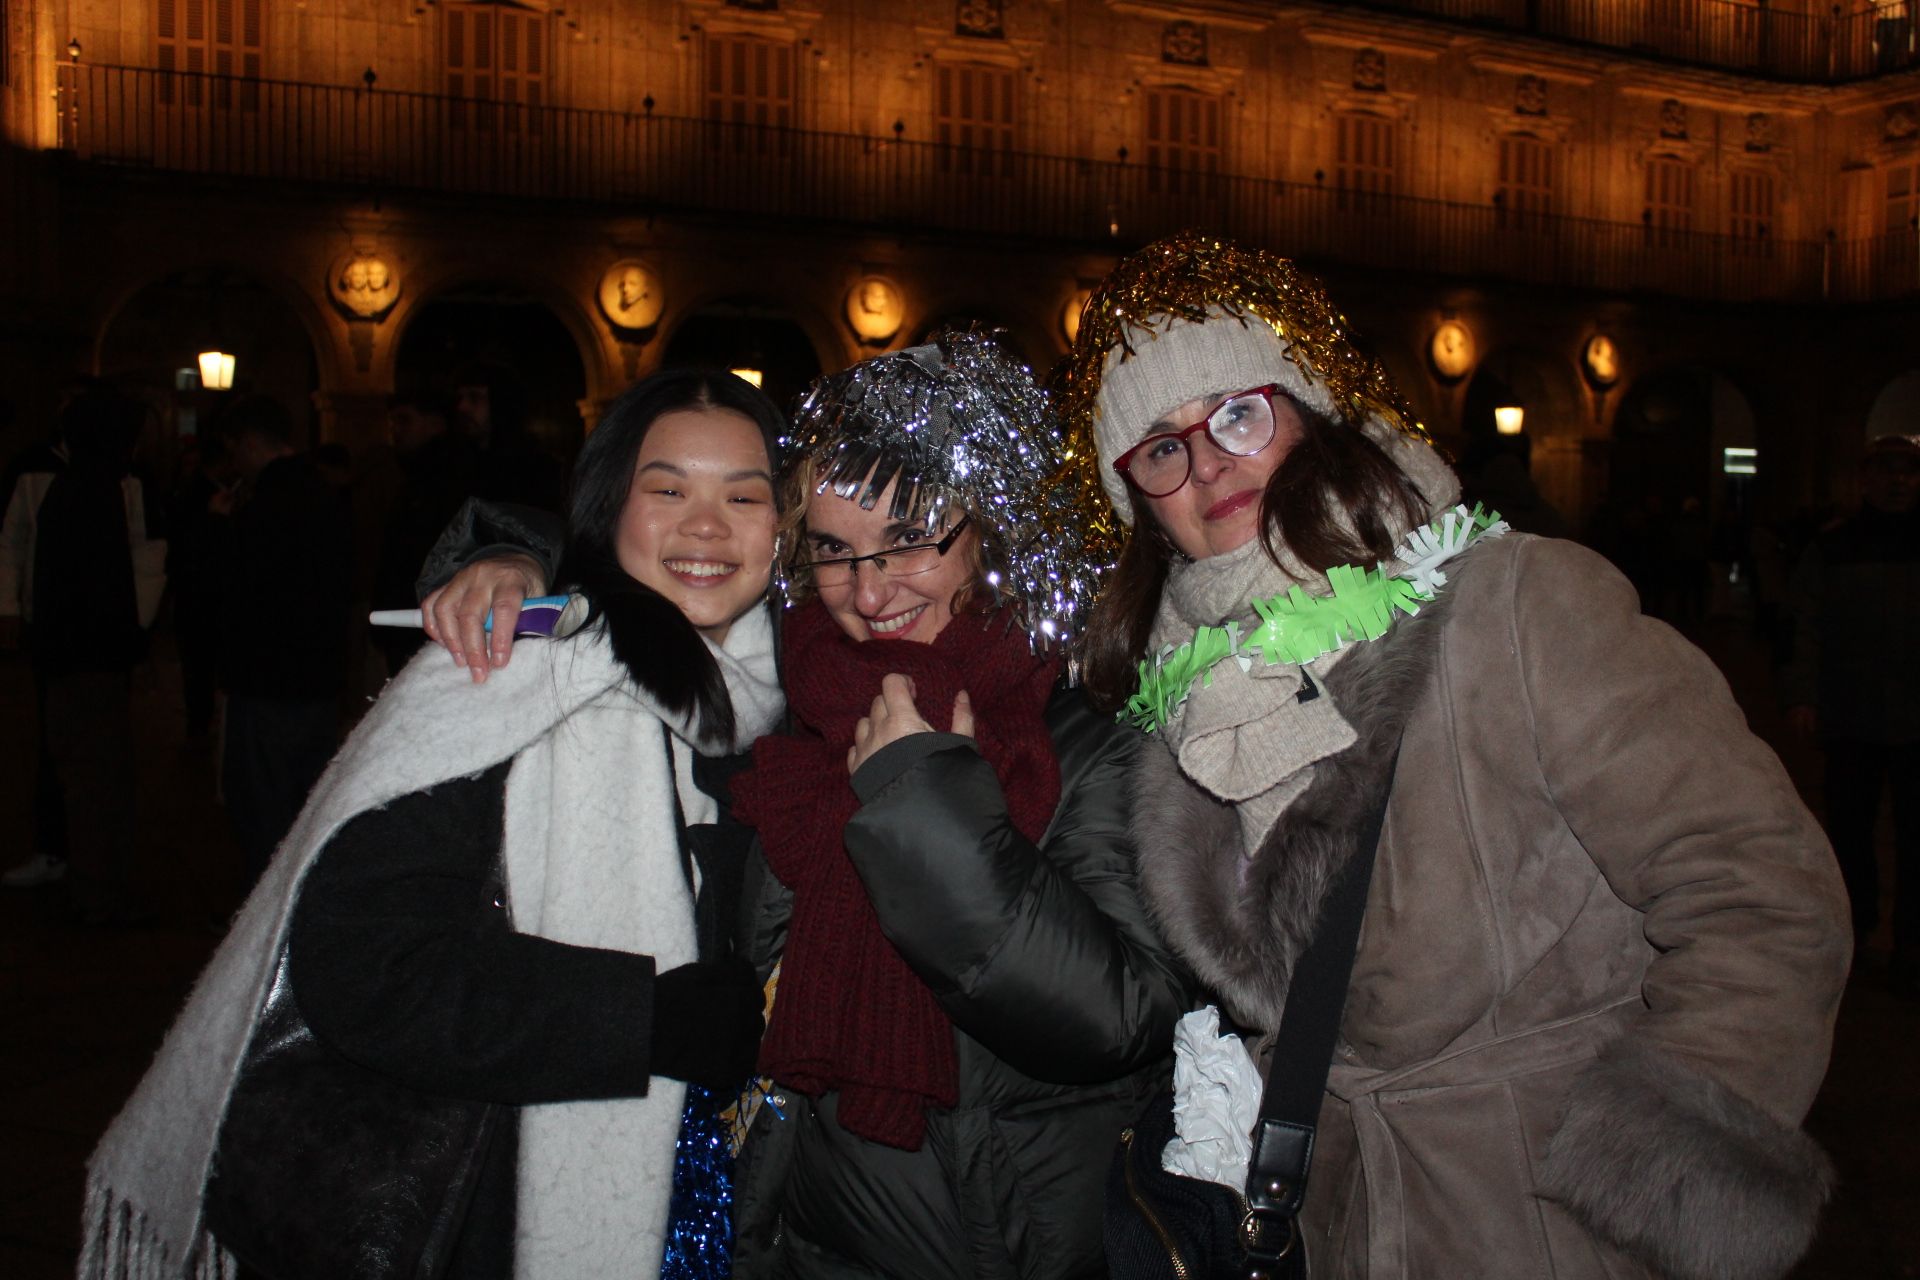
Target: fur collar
(1242,923)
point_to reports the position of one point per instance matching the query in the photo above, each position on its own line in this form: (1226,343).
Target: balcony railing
(1824,43)
(392,142)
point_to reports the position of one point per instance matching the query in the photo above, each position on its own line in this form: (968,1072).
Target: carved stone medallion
(1673,118)
(977,18)
(1184,43)
(1370,70)
(1530,96)
(364,285)
(630,295)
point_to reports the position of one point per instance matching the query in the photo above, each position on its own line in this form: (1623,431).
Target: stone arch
(522,335)
(744,331)
(1536,478)
(300,303)
(153,330)
(435,282)
(1673,504)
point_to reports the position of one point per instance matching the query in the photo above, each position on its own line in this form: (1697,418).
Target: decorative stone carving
(1759,131)
(1185,44)
(1673,118)
(630,295)
(978,18)
(1902,122)
(1530,96)
(364,285)
(1370,70)
(875,308)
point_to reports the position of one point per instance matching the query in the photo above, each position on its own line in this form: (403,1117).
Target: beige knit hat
(1196,315)
(1175,361)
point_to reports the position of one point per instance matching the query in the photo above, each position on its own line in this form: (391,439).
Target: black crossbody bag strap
(1302,1056)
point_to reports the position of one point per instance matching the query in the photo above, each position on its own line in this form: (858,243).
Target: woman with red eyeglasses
(1602,943)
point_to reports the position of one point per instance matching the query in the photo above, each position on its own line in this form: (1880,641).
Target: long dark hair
(650,636)
(1332,471)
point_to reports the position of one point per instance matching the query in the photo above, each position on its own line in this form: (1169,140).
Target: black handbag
(1165,1226)
(327,1170)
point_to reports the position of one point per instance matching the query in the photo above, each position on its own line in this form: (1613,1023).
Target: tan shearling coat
(1603,948)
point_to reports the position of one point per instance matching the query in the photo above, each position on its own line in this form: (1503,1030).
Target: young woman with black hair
(971,1001)
(569,780)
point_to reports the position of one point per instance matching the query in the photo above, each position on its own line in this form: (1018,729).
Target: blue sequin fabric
(700,1215)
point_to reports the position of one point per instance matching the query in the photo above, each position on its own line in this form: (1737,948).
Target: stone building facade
(1663,229)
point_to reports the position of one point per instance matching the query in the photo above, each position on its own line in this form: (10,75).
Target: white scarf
(1246,736)
(589,781)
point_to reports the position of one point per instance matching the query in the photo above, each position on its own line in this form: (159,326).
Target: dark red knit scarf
(850,1015)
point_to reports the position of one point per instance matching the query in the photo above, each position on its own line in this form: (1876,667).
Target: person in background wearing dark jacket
(971,1003)
(70,573)
(1853,681)
(439,470)
(286,555)
(486,898)
(490,411)
(193,573)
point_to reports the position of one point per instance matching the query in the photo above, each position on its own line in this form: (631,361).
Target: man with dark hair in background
(1854,679)
(286,552)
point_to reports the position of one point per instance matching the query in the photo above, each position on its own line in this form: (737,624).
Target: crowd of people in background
(249,520)
(260,551)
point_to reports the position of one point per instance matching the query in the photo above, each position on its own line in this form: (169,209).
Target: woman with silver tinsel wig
(969,1001)
(1604,942)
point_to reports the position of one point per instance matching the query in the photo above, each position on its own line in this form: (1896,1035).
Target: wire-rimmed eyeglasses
(1241,425)
(896,562)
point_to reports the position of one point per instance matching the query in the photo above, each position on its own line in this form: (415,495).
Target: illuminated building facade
(1663,228)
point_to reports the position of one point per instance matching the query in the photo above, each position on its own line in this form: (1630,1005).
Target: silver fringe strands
(959,422)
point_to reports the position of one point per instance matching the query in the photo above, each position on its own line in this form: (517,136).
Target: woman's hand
(894,716)
(455,615)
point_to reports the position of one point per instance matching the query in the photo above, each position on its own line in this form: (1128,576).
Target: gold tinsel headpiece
(1179,278)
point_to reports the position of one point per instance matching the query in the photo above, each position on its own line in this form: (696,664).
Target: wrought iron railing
(396,141)
(1815,41)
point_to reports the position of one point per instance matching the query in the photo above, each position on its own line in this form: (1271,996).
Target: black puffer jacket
(1063,1001)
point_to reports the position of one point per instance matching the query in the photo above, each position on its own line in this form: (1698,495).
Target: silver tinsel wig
(958,422)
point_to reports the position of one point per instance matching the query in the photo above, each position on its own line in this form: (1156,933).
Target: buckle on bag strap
(1276,1189)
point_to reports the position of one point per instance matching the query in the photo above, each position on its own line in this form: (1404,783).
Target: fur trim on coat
(1604,1142)
(1675,1168)
(1245,930)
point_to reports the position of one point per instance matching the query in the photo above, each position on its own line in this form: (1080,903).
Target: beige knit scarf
(1251,737)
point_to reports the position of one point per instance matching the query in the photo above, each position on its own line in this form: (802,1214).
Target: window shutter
(1183,140)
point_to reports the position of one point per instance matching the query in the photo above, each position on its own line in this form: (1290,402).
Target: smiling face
(872,605)
(698,522)
(1218,509)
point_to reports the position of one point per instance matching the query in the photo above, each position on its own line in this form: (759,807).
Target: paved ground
(81,1011)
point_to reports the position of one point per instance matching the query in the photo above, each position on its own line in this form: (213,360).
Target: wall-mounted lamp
(216,371)
(73,49)
(1508,419)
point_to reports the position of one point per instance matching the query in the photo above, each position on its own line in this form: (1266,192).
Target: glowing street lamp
(1507,419)
(216,371)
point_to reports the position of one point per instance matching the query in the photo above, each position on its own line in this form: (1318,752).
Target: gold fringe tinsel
(1180,278)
